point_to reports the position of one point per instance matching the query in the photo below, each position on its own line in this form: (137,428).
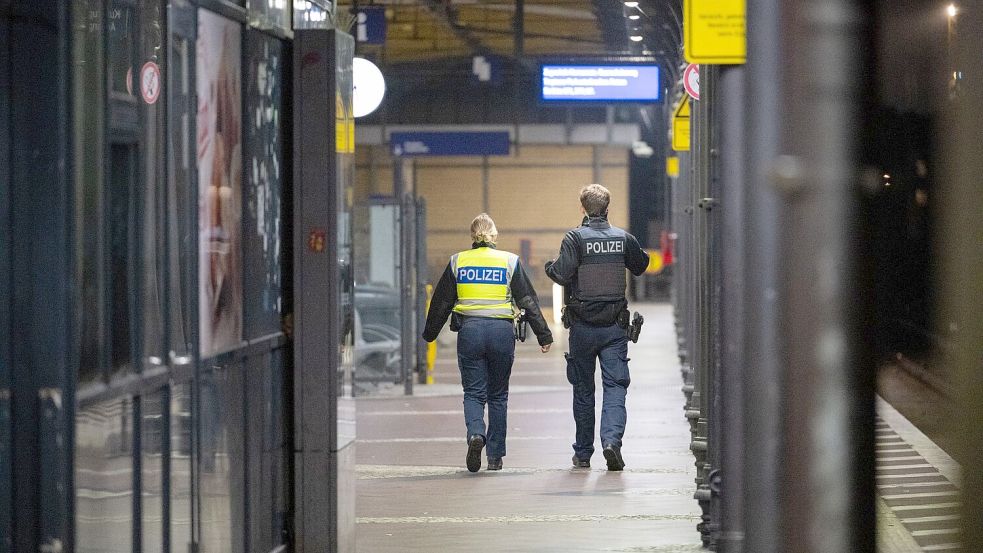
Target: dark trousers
(587,345)
(485,351)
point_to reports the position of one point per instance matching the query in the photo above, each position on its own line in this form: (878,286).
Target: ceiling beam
(446,13)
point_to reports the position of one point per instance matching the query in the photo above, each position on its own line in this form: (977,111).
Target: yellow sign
(655,262)
(680,127)
(715,31)
(672,166)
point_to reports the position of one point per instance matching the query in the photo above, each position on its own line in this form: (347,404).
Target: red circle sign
(150,84)
(691,80)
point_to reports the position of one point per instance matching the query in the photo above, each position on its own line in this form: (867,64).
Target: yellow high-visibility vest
(483,276)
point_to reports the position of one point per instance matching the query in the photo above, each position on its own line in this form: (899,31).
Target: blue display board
(478,143)
(611,82)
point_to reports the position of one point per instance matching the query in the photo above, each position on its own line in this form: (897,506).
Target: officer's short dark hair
(595,199)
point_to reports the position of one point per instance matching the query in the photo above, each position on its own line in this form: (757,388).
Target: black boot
(475,444)
(612,454)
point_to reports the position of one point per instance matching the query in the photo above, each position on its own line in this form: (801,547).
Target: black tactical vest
(601,274)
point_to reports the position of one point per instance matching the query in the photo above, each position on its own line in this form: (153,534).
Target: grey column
(804,453)
(324,413)
(762,499)
(732,362)
(962,197)
(404,194)
(41,348)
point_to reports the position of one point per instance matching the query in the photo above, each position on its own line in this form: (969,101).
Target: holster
(456,319)
(521,326)
(624,319)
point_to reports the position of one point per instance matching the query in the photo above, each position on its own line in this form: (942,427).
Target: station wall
(532,195)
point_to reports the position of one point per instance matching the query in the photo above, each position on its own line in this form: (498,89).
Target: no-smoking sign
(691,80)
(150,84)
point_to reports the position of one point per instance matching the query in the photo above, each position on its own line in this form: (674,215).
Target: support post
(732,258)
(963,267)
(324,409)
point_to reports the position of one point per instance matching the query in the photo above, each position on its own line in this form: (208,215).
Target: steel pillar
(38,355)
(963,265)
(805,449)
(732,362)
(324,410)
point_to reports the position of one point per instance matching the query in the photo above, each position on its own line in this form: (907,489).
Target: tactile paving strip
(923,499)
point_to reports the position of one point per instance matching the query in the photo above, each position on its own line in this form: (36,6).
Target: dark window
(121,178)
(181,205)
(265,172)
(122,31)
(89,96)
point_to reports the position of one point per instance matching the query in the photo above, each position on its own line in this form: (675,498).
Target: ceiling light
(951,9)
(636,38)
(634,16)
(631,4)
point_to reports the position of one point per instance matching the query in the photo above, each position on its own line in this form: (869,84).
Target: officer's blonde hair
(483,229)
(595,199)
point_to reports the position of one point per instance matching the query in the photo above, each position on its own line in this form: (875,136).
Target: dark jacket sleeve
(564,268)
(441,304)
(636,260)
(525,297)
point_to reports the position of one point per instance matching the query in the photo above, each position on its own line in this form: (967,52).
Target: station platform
(415,494)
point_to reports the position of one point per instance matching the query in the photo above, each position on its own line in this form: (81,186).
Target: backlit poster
(219,142)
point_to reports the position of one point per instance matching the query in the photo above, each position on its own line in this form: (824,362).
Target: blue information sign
(450,143)
(370,25)
(600,83)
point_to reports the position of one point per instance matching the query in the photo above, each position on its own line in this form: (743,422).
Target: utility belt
(632,325)
(521,324)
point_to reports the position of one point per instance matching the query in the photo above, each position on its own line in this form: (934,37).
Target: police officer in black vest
(591,267)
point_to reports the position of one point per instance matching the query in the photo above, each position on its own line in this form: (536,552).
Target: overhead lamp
(369,87)
(636,38)
(631,4)
(951,10)
(634,16)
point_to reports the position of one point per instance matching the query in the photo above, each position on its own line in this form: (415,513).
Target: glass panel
(377,302)
(269,13)
(267,462)
(104,477)
(264,180)
(89,72)
(312,14)
(151,210)
(222,460)
(121,178)
(180,208)
(122,31)
(153,435)
(219,182)
(181,447)
(345,123)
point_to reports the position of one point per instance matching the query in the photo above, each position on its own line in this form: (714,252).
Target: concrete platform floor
(414,493)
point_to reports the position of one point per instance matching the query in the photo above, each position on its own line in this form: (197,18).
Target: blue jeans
(485,350)
(610,345)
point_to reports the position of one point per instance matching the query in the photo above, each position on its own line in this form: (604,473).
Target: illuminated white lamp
(951,10)
(631,4)
(636,38)
(369,87)
(634,16)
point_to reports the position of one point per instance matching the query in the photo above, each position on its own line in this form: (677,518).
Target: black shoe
(612,454)
(475,444)
(495,464)
(581,463)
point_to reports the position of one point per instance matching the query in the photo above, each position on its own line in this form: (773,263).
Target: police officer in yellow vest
(480,289)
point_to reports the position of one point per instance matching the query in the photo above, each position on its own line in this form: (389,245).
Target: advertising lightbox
(609,82)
